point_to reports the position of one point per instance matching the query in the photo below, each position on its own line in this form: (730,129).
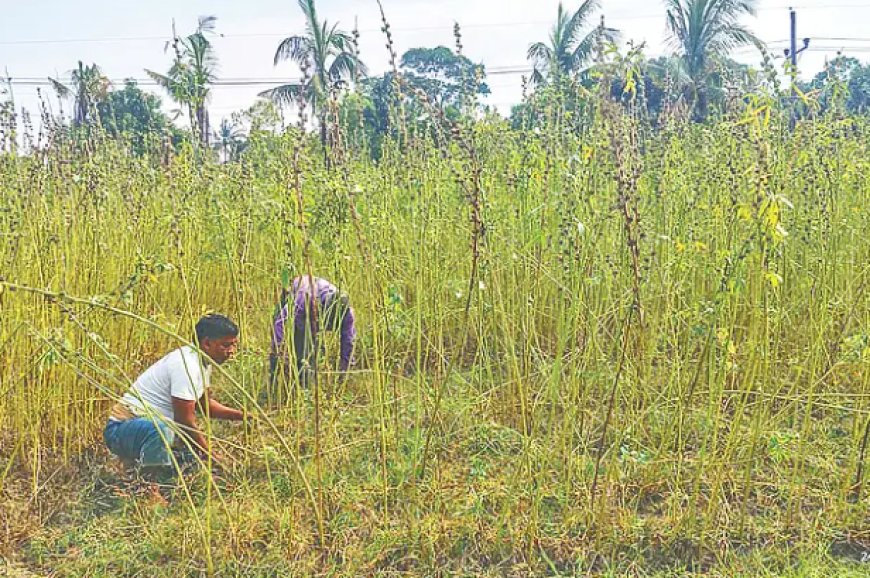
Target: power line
(147,82)
(248,82)
(443,27)
(239,81)
(80,40)
(473,25)
(843,49)
(840,39)
(501,70)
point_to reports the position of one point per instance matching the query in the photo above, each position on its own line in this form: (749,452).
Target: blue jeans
(141,440)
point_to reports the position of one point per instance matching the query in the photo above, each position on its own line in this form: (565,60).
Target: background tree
(702,29)
(845,81)
(444,76)
(87,86)
(263,116)
(859,90)
(189,80)
(568,51)
(136,115)
(8,119)
(666,86)
(229,140)
(440,73)
(329,55)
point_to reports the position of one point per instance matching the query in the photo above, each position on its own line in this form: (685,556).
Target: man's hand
(216,457)
(217,410)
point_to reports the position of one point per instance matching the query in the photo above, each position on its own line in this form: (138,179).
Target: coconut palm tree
(702,29)
(568,51)
(87,86)
(189,80)
(229,140)
(329,55)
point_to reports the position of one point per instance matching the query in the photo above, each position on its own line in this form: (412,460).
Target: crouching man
(160,406)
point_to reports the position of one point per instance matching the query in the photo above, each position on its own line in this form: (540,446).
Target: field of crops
(604,350)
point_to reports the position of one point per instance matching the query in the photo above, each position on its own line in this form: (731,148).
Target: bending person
(312,307)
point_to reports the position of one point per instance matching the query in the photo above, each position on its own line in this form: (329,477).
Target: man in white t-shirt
(161,404)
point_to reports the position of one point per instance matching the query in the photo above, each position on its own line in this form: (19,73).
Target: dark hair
(215,326)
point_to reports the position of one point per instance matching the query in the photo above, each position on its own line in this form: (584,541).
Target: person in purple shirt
(311,307)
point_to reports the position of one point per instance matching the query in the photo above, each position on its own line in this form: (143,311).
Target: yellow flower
(774,279)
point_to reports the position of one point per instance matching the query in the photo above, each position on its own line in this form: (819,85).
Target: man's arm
(184,413)
(219,411)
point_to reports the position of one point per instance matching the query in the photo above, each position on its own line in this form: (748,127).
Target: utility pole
(793,52)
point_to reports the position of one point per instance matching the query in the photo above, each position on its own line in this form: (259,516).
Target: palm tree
(189,80)
(567,51)
(329,54)
(702,29)
(229,140)
(87,86)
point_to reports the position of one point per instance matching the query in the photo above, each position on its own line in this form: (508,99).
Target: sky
(42,38)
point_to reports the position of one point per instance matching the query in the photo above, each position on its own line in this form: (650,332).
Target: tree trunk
(702,102)
(323,138)
(194,121)
(202,121)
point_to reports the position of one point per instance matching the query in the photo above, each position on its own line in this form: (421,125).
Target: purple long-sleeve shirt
(325,292)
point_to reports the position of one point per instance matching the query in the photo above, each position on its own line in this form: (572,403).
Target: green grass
(474,518)
(660,369)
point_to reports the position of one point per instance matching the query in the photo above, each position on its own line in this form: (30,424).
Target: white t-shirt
(179,374)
